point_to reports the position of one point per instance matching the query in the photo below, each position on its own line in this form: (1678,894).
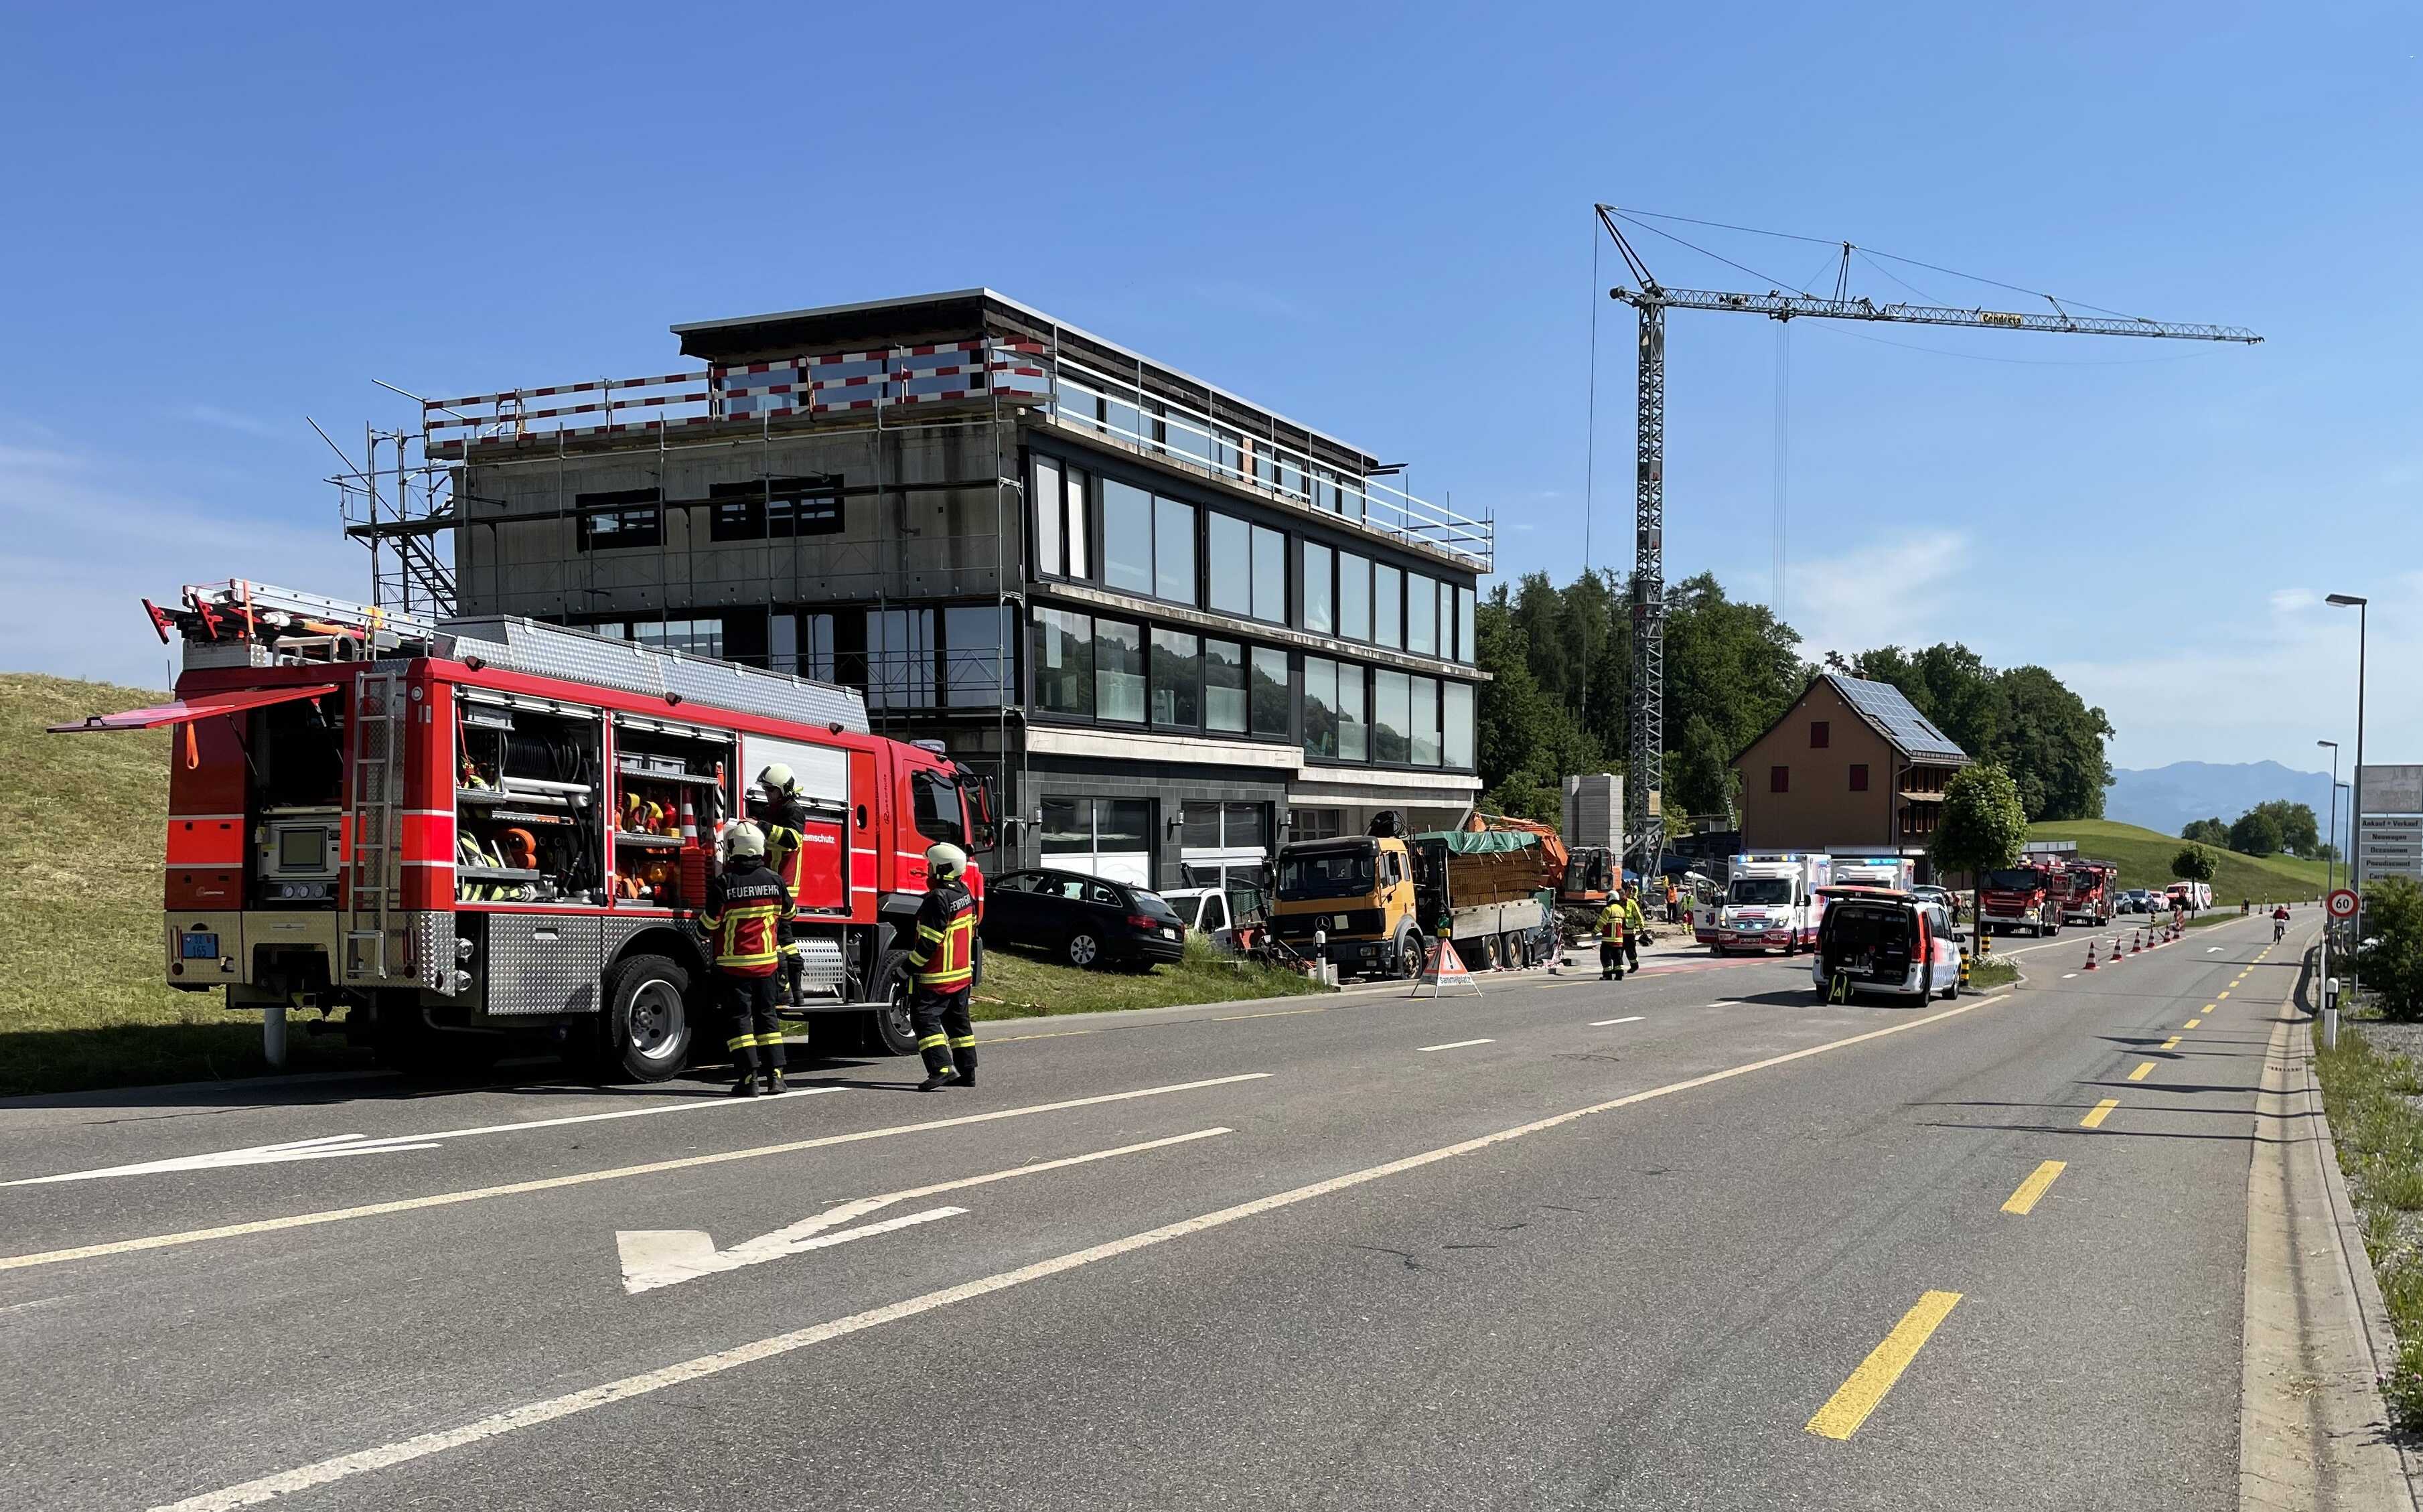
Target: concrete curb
(2380,1338)
(2313,1430)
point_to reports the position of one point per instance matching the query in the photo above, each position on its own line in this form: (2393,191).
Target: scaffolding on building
(406,512)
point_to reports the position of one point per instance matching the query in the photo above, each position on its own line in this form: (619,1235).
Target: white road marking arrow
(666,1257)
(332,1146)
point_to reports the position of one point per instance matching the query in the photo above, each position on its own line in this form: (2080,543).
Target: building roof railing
(1264,454)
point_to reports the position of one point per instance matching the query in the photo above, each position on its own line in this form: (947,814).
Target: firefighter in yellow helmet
(746,906)
(777,806)
(1610,941)
(945,959)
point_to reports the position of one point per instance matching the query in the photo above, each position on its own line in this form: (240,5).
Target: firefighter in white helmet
(776,805)
(746,908)
(945,960)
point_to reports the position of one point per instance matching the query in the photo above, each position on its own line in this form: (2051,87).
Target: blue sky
(1375,218)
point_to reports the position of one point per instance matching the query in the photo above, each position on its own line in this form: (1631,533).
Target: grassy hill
(83,832)
(2145,860)
(83,828)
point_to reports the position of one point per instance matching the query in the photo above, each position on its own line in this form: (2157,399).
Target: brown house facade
(1850,766)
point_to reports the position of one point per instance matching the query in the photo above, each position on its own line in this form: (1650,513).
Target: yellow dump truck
(1351,901)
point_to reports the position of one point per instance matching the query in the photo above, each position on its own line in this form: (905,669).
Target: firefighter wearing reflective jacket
(746,907)
(784,817)
(944,959)
(1610,941)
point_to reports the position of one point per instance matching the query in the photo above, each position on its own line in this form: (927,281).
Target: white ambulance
(1771,902)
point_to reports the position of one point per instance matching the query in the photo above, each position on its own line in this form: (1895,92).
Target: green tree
(2205,832)
(2255,833)
(2300,831)
(1527,743)
(2194,863)
(2391,964)
(1984,823)
(2055,742)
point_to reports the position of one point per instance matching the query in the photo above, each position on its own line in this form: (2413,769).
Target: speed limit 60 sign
(2342,904)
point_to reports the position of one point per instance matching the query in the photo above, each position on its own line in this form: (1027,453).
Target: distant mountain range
(2167,798)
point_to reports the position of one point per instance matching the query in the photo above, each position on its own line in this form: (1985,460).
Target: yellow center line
(1057,1034)
(1279,1013)
(2192,1023)
(2139,1075)
(2211,1006)
(1851,1404)
(2221,995)
(2095,1115)
(2024,1200)
(2171,1044)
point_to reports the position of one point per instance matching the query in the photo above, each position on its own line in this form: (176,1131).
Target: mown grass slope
(2144,857)
(83,830)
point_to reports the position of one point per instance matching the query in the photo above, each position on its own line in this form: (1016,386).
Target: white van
(1771,903)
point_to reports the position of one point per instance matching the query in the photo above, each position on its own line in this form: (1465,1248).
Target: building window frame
(1821,734)
(623,519)
(1779,780)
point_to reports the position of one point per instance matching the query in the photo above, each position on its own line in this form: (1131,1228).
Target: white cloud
(84,543)
(2291,600)
(1899,592)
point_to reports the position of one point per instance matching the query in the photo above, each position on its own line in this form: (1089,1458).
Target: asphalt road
(1691,1241)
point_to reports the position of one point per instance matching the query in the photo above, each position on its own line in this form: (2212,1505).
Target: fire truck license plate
(200,947)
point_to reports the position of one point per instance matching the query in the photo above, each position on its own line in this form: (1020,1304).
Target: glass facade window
(1176,681)
(1467,602)
(1393,718)
(1387,605)
(1421,615)
(1126,537)
(1354,596)
(1319,707)
(1353,730)
(900,658)
(1228,553)
(1049,493)
(1455,735)
(1224,687)
(1269,576)
(1320,590)
(977,669)
(1080,495)
(691,638)
(1119,671)
(626,518)
(1270,692)
(1173,550)
(1425,726)
(1064,662)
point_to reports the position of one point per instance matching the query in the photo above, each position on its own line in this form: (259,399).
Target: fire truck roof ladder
(308,627)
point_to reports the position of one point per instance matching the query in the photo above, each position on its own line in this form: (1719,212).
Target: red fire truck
(480,833)
(2027,896)
(2090,890)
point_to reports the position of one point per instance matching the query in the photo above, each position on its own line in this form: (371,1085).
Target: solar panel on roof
(1897,717)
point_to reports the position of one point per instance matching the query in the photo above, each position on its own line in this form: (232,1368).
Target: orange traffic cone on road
(2090,955)
(2137,942)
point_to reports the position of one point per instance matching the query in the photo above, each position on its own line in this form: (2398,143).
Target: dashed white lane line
(1602,1023)
(2066,975)
(447,1199)
(1456,1045)
(534,1414)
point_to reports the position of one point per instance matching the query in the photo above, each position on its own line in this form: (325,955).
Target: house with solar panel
(1851,766)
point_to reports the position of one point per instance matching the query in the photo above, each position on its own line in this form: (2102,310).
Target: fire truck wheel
(646,1032)
(888,1029)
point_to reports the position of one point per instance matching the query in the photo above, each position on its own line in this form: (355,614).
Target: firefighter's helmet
(777,782)
(744,842)
(945,860)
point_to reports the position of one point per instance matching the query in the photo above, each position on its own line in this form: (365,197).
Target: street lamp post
(2355,798)
(2328,887)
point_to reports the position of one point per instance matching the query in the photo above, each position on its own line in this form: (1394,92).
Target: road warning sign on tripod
(1443,971)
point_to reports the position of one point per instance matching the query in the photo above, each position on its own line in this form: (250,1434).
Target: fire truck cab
(484,834)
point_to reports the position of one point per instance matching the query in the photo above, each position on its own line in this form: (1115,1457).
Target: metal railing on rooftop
(880,380)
